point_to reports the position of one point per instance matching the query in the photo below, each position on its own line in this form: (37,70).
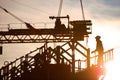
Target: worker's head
(58,21)
(97,37)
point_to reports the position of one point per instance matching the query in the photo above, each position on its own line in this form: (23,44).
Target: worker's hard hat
(97,37)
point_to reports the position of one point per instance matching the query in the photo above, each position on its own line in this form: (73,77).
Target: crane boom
(29,26)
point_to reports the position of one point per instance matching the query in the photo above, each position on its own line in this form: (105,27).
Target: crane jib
(29,26)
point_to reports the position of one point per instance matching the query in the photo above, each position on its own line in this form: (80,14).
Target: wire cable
(60,7)
(83,15)
(82,10)
(26,5)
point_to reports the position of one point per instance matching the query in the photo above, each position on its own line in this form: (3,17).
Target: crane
(29,26)
(33,35)
(68,36)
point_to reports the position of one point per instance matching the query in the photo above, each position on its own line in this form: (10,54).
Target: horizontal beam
(35,36)
(35,32)
(38,35)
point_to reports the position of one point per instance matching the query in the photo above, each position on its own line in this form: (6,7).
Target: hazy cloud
(112,3)
(104,8)
(95,8)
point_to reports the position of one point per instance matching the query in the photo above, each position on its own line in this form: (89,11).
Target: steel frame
(36,36)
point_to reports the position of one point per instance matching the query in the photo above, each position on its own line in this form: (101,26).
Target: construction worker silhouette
(99,49)
(58,25)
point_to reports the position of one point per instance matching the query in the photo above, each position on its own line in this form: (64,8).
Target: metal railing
(41,56)
(107,56)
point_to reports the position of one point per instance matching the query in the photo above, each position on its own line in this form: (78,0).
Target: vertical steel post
(58,54)
(88,58)
(1,49)
(73,56)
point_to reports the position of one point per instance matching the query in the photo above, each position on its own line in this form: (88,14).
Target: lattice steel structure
(46,35)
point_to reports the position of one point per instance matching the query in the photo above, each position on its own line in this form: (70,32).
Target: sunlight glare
(112,70)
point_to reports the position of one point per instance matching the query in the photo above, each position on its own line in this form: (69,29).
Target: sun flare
(113,69)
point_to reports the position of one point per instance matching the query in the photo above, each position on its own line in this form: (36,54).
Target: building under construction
(58,63)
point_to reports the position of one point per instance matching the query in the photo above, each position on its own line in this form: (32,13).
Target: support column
(58,54)
(73,57)
(1,49)
(88,58)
